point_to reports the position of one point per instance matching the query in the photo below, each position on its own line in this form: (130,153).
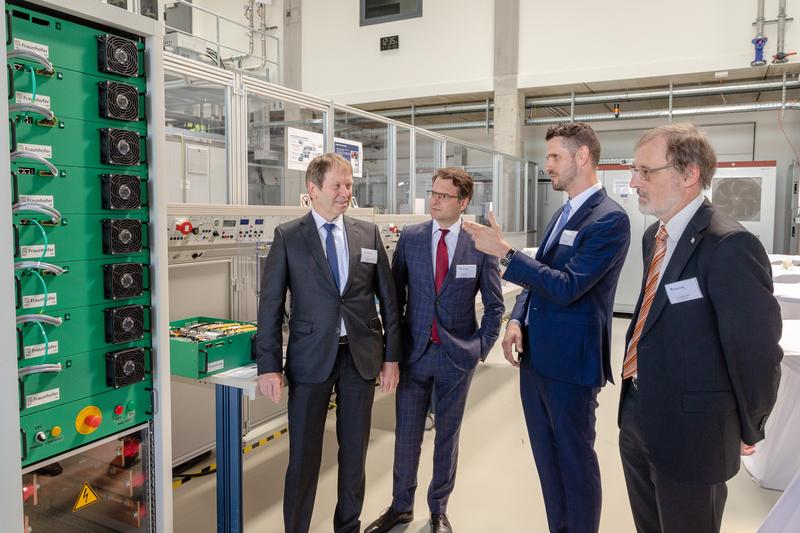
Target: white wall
(449,50)
(586,40)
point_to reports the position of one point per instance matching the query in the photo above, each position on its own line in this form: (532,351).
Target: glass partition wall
(479,163)
(197,115)
(512,192)
(403,170)
(365,141)
(428,151)
(241,146)
(271,179)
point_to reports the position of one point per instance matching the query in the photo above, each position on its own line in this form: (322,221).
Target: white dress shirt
(675,228)
(342,250)
(575,204)
(451,239)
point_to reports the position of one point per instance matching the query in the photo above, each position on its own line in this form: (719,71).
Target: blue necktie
(330,251)
(562,221)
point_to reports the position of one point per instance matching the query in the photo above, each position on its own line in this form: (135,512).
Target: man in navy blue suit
(437,274)
(564,316)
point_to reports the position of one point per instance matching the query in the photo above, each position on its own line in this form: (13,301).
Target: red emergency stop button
(118,410)
(88,419)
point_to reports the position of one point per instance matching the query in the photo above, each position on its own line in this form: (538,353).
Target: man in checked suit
(561,325)
(702,360)
(334,266)
(437,273)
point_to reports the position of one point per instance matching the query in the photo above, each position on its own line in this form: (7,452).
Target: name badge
(683,291)
(369,256)
(466,271)
(567,237)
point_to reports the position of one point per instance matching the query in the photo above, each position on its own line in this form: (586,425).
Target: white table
(786,283)
(785,516)
(777,458)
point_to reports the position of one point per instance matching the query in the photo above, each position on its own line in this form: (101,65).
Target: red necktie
(441,273)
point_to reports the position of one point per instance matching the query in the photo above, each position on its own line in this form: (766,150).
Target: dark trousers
(659,504)
(431,372)
(308,409)
(561,426)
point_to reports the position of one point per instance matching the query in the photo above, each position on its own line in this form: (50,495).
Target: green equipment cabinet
(81,230)
(203,346)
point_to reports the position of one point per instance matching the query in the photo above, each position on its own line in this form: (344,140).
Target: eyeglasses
(441,196)
(644,173)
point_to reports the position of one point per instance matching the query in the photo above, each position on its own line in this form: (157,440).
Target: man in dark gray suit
(438,272)
(335,266)
(702,360)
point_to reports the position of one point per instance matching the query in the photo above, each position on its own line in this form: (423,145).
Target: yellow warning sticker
(86,497)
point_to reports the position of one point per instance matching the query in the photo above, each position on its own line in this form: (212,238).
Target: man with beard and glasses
(702,360)
(561,325)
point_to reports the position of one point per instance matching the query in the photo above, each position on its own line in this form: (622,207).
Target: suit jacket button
(337,330)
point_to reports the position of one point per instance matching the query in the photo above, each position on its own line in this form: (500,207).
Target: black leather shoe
(388,520)
(440,523)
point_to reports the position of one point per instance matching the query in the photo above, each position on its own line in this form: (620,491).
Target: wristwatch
(506,259)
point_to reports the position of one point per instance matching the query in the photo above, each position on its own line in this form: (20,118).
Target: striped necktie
(629,367)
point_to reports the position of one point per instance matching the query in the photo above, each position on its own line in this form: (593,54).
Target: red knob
(93,421)
(184,226)
(118,410)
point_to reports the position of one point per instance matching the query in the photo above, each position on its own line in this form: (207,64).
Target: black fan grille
(117,56)
(123,280)
(124,324)
(119,101)
(121,191)
(119,147)
(122,236)
(125,367)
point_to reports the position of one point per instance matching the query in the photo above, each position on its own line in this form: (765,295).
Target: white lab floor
(497,488)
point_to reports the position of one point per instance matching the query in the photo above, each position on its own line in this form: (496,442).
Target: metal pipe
(760,40)
(665,113)
(780,55)
(436,110)
(631,115)
(760,20)
(662,93)
(467,124)
(626,96)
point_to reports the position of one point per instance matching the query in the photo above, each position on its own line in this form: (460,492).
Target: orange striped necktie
(629,367)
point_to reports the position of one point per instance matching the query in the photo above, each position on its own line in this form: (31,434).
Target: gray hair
(686,145)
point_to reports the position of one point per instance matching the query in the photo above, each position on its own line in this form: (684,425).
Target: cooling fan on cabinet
(119,101)
(120,191)
(117,55)
(119,147)
(123,280)
(122,236)
(124,324)
(739,198)
(125,367)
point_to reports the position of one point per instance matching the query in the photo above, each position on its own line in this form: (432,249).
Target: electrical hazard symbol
(86,497)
